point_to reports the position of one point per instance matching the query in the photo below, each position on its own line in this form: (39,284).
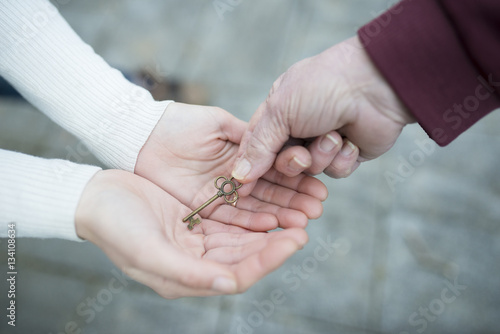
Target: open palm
(192,145)
(139,227)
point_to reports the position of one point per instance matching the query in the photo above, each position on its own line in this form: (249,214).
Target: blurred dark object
(171,89)
(161,88)
(6,90)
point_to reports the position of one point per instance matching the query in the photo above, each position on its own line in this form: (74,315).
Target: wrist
(88,206)
(154,143)
(400,113)
(379,87)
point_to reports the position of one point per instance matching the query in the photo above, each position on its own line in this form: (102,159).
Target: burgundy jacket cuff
(421,49)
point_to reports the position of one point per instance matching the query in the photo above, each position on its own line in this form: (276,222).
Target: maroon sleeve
(442,58)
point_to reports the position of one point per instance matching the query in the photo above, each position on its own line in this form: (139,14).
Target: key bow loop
(230,195)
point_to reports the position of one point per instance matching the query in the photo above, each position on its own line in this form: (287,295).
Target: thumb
(267,133)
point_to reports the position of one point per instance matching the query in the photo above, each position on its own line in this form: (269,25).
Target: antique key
(231,197)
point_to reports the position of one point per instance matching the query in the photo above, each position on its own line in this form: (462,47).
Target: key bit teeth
(193,222)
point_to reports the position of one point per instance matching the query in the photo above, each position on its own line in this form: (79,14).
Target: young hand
(192,145)
(139,226)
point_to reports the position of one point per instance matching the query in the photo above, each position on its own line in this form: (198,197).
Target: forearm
(440,57)
(41,195)
(62,76)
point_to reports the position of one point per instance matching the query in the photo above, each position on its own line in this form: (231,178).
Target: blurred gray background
(421,255)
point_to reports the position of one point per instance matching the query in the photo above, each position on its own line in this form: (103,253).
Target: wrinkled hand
(192,145)
(337,104)
(139,227)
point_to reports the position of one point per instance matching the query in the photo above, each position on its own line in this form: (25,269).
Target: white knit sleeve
(58,73)
(40,195)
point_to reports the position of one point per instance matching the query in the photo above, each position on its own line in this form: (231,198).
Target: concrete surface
(419,257)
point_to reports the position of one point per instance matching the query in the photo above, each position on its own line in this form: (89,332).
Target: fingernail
(224,284)
(328,143)
(296,161)
(348,148)
(242,169)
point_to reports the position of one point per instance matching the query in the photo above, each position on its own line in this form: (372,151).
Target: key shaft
(203,206)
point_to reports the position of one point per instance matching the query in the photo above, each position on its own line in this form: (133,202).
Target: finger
(228,240)
(287,218)
(239,216)
(210,226)
(301,183)
(257,265)
(323,150)
(157,258)
(246,189)
(262,141)
(237,253)
(247,271)
(345,162)
(288,198)
(293,160)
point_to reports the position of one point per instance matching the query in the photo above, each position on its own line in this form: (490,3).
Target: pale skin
(137,220)
(192,145)
(139,227)
(336,98)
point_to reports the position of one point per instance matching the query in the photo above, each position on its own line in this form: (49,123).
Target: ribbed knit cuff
(40,195)
(62,76)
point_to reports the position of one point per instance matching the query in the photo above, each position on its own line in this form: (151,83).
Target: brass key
(231,197)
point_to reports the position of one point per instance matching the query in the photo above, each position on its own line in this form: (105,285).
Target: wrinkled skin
(337,95)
